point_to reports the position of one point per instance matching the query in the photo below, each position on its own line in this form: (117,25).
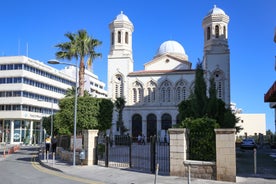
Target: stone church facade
(152,95)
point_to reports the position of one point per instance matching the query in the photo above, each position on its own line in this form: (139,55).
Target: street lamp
(54,61)
(52,118)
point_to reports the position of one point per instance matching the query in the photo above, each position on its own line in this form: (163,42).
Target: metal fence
(127,152)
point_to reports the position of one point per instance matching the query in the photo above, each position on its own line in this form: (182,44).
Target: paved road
(21,168)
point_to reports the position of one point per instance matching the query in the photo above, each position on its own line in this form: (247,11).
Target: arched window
(119,36)
(224,32)
(137,92)
(134,92)
(166,122)
(219,83)
(126,38)
(208,33)
(181,91)
(151,92)
(112,38)
(217,31)
(118,86)
(136,125)
(165,93)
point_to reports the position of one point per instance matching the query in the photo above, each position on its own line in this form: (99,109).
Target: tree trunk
(81,77)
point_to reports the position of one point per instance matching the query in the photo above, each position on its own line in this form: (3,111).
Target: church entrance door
(151,126)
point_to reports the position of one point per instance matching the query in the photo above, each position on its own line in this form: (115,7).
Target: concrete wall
(178,151)
(226,154)
(89,143)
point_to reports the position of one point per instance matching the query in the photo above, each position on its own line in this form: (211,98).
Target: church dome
(216,11)
(122,17)
(172,47)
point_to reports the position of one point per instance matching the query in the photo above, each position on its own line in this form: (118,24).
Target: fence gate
(127,152)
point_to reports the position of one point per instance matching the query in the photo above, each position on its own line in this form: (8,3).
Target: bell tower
(120,59)
(216,60)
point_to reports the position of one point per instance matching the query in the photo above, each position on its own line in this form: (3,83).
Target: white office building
(30,90)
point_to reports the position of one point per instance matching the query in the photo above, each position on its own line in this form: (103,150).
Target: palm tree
(80,46)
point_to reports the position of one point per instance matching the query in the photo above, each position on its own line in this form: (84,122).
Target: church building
(152,95)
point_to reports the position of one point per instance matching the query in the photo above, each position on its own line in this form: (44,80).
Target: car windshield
(248,141)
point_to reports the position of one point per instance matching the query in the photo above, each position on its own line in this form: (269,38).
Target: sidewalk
(100,174)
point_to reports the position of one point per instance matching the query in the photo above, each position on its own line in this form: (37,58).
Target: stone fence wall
(224,169)
(200,169)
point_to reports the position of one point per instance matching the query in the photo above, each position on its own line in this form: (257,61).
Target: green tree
(201,138)
(80,46)
(199,98)
(199,105)
(119,106)
(93,113)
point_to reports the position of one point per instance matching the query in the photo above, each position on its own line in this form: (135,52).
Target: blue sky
(33,27)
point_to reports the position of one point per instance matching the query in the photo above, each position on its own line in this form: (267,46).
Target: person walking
(54,144)
(47,145)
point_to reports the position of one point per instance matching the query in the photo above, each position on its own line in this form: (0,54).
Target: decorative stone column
(226,154)
(89,142)
(178,150)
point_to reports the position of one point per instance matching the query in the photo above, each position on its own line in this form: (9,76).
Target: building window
(180,91)
(126,38)
(151,92)
(219,84)
(224,31)
(134,95)
(166,91)
(118,86)
(137,92)
(217,31)
(119,36)
(112,38)
(208,33)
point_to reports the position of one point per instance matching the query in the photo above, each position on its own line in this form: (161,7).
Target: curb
(46,165)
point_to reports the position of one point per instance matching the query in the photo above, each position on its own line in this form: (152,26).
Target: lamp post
(52,120)
(54,61)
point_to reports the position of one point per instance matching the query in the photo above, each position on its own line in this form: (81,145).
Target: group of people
(51,143)
(141,139)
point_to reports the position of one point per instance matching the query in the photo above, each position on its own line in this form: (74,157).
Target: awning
(270,96)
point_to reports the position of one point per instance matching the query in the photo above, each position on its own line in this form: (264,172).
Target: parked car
(248,144)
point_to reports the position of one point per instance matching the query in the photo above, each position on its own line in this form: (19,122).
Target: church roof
(170,47)
(215,11)
(159,72)
(122,17)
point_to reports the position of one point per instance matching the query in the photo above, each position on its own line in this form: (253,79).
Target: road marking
(38,167)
